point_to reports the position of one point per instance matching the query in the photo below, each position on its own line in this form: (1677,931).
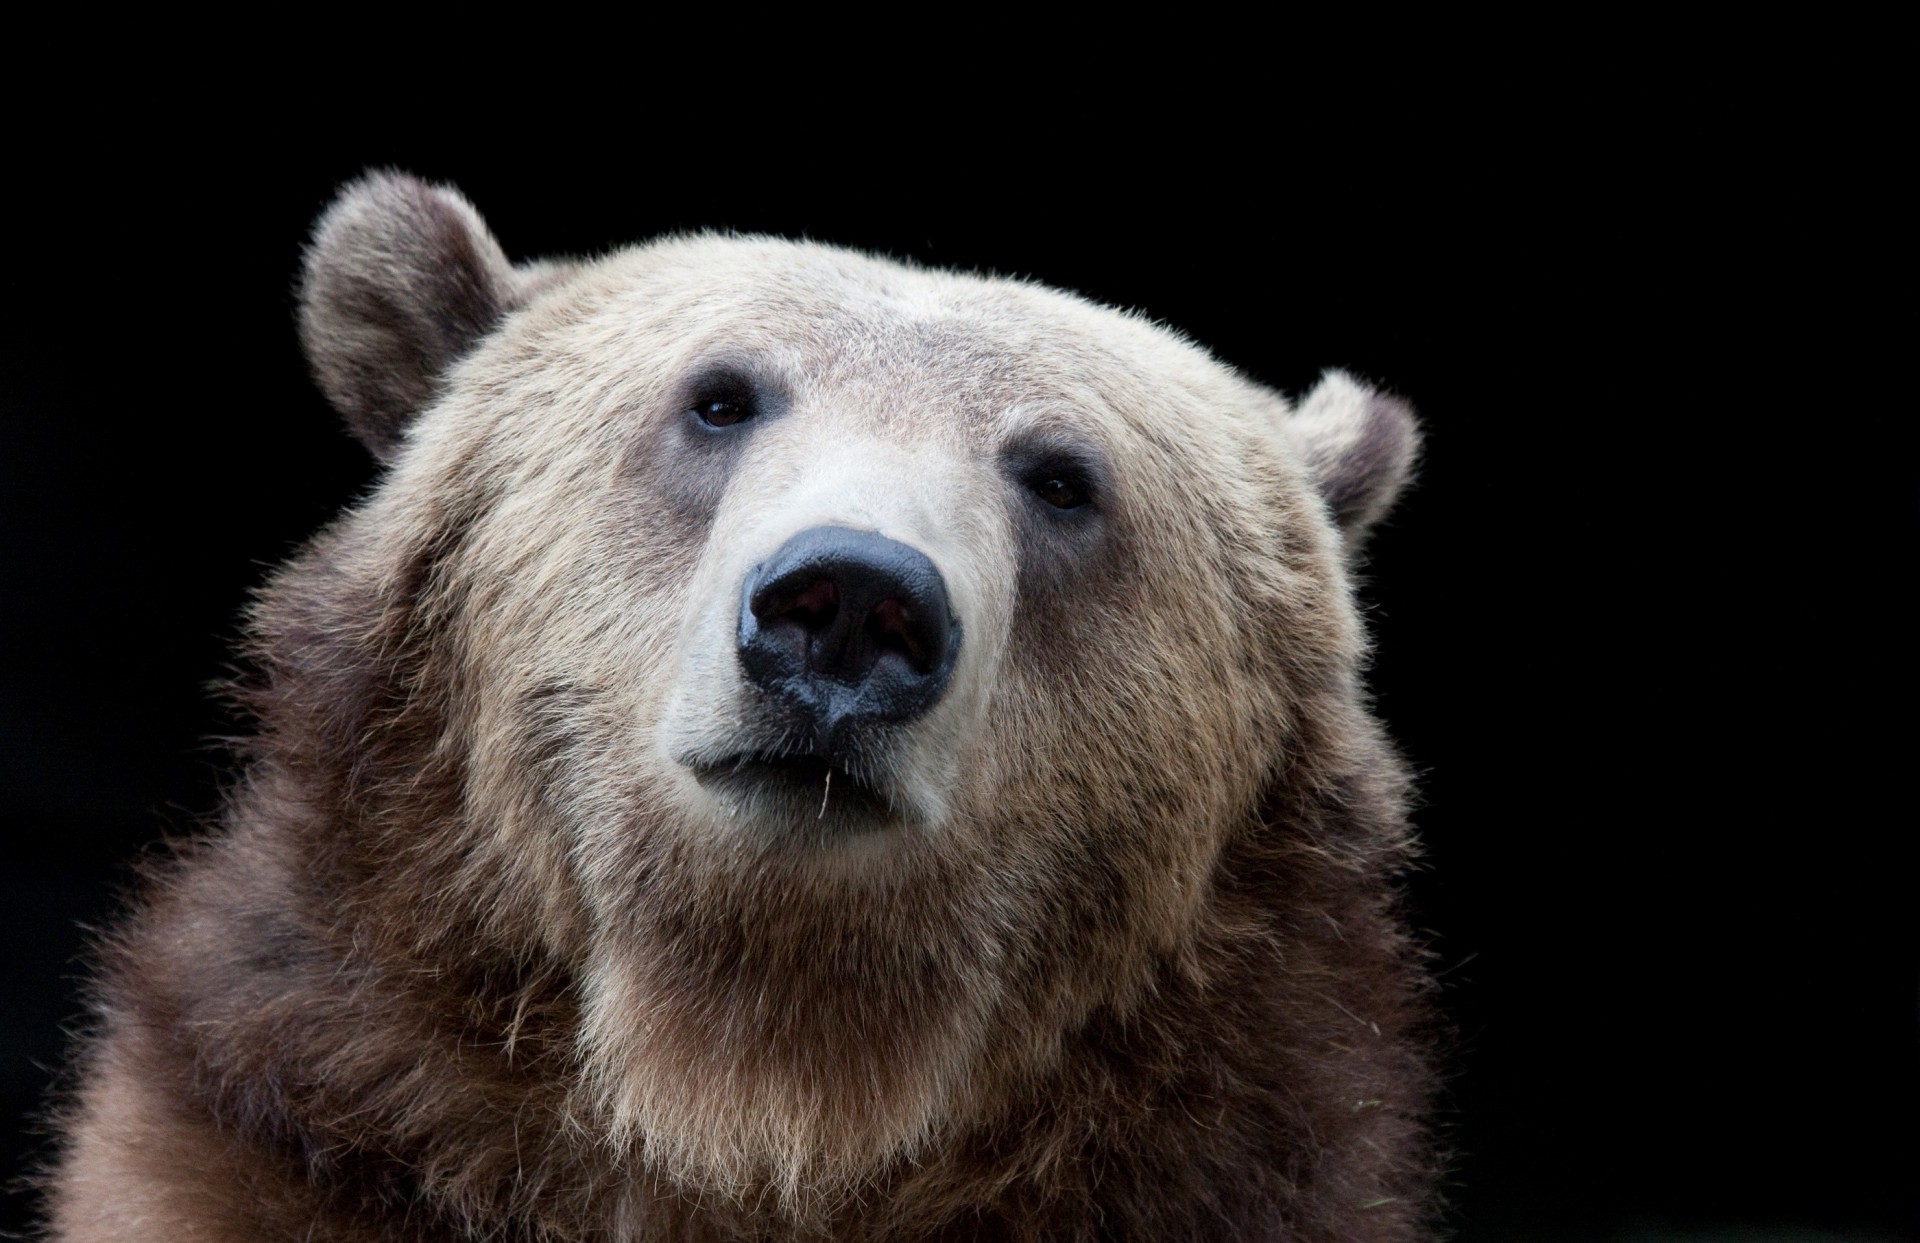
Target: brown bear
(796,746)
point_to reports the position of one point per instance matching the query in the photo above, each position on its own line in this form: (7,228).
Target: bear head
(849,677)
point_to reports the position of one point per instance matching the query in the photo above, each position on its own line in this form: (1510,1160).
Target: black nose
(851,627)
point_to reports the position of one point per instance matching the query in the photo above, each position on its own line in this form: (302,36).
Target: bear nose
(849,626)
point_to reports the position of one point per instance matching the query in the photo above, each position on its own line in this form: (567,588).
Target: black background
(1640,626)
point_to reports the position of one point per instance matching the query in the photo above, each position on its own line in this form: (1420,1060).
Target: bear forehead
(828,317)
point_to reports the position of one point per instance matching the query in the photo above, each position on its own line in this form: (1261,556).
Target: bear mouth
(798,790)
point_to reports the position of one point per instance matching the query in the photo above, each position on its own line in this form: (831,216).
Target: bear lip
(798,787)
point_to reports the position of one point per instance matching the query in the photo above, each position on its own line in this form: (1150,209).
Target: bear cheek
(1123,695)
(567,598)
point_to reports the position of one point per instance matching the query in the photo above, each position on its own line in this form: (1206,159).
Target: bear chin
(803,1002)
(716,1109)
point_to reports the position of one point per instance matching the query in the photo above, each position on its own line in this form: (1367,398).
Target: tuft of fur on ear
(402,279)
(1360,444)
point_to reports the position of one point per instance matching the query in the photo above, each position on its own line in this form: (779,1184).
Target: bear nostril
(891,626)
(812,607)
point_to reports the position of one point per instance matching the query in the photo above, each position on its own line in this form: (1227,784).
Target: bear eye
(1062,491)
(1064,478)
(722,411)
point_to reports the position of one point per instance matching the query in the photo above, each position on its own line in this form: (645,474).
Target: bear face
(868,731)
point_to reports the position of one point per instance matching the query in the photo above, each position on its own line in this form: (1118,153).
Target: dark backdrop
(1638,625)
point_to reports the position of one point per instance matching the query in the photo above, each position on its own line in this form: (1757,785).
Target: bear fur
(525,921)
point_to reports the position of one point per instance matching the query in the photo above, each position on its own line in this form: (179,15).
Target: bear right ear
(402,279)
(1360,445)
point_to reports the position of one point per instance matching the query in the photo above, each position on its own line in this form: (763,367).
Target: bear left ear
(1360,445)
(402,279)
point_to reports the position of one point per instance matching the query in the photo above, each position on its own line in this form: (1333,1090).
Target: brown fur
(472,958)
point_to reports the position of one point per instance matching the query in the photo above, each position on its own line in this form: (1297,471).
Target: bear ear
(1360,445)
(402,279)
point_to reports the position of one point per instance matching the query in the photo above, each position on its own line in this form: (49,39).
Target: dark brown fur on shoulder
(1095,939)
